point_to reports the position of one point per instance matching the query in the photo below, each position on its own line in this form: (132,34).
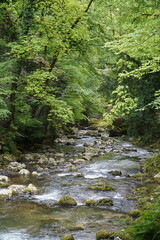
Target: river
(37,217)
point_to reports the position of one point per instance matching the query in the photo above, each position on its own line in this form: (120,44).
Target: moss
(101,202)
(102,187)
(104,202)
(102,234)
(135,213)
(66,200)
(73,169)
(67,237)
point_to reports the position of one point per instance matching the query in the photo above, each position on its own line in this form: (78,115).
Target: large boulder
(4,178)
(31,189)
(24,172)
(16,188)
(66,200)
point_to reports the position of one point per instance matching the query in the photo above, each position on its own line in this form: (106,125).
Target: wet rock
(102,187)
(31,189)
(100,202)
(24,172)
(116,173)
(104,202)
(77,227)
(52,162)
(90,202)
(16,166)
(4,178)
(102,234)
(5,193)
(79,175)
(67,237)
(43,160)
(59,155)
(134,213)
(66,200)
(129,149)
(16,189)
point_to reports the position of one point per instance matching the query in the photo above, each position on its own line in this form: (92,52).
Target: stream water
(37,217)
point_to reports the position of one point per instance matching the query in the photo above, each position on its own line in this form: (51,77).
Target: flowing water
(38,217)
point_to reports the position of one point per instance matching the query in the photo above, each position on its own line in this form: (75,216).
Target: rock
(16,189)
(34,173)
(31,189)
(102,187)
(77,227)
(5,193)
(52,161)
(73,169)
(116,173)
(79,175)
(66,200)
(67,237)
(102,234)
(104,202)
(43,160)
(90,202)
(4,178)
(101,202)
(16,166)
(24,172)
(134,213)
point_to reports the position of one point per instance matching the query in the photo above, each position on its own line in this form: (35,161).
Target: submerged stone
(66,200)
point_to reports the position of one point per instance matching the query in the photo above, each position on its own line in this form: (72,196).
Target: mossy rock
(67,237)
(104,202)
(77,227)
(102,187)
(66,200)
(73,169)
(116,173)
(102,234)
(90,202)
(134,213)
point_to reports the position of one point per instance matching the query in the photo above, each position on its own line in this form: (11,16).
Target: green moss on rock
(134,213)
(66,200)
(67,237)
(102,234)
(102,187)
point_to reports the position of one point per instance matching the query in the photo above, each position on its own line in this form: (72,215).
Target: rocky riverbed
(79,186)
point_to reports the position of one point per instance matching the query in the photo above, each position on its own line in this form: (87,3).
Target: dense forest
(63,62)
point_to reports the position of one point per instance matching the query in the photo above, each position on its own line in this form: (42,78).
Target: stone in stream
(100,202)
(102,187)
(24,172)
(67,237)
(5,193)
(67,200)
(103,234)
(116,173)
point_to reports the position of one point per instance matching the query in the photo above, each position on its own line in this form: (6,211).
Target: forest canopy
(64,61)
